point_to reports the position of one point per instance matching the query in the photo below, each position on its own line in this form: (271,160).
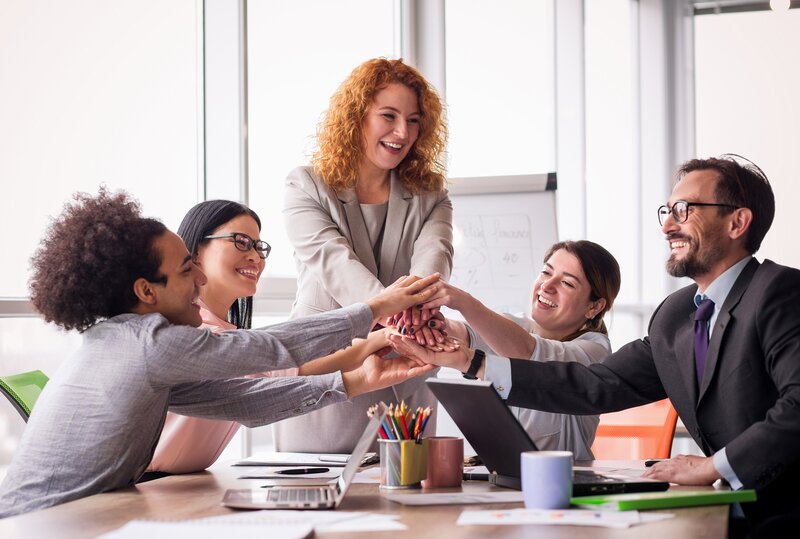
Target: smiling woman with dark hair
(224,239)
(576,287)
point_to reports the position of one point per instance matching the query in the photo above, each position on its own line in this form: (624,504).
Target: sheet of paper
(136,529)
(454,498)
(295,459)
(368,475)
(567,517)
(321,521)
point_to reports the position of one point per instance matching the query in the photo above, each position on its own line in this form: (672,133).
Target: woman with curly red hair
(371,208)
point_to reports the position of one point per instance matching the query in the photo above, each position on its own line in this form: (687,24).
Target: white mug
(546,479)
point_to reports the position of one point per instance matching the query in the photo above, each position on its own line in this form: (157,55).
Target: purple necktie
(704,312)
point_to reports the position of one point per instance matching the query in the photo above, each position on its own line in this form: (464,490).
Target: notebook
(661,500)
(316,497)
(498,438)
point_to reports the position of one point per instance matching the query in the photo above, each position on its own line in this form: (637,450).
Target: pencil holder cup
(404,463)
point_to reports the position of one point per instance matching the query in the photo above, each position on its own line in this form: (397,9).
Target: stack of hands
(417,332)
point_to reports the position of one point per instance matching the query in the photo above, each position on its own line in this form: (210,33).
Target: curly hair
(202,220)
(85,266)
(339,134)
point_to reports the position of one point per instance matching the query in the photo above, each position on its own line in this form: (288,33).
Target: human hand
(377,372)
(457,357)
(377,340)
(413,319)
(685,470)
(404,293)
(448,295)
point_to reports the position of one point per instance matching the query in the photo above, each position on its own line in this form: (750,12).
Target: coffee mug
(546,479)
(445,462)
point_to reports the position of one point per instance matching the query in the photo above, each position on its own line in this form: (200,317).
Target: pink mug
(445,462)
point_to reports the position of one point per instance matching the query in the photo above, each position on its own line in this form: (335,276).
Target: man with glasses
(725,350)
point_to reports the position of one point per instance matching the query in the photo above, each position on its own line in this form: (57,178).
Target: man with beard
(725,350)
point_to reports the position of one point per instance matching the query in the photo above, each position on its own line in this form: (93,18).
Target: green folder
(660,500)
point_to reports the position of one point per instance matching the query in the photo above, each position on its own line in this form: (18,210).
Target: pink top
(192,444)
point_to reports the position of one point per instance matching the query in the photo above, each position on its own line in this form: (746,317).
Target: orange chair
(644,432)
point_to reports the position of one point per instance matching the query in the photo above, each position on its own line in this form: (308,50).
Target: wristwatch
(475,365)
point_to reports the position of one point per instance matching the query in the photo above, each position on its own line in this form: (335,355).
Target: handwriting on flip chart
(500,239)
(495,258)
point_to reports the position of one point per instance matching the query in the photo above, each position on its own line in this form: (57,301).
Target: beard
(698,261)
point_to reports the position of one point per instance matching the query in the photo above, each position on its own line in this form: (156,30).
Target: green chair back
(23,389)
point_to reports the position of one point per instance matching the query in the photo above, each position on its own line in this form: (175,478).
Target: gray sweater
(97,422)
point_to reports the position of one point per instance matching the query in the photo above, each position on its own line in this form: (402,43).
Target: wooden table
(198,495)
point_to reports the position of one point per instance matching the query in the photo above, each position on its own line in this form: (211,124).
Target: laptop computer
(498,438)
(309,497)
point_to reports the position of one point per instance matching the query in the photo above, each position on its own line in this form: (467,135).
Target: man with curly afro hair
(131,287)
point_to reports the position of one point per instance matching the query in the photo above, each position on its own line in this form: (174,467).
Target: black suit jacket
(748,403)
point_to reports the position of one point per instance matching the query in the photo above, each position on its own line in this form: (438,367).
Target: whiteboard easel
(502,227)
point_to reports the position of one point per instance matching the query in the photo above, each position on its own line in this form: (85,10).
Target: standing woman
(371,208)
(225,242)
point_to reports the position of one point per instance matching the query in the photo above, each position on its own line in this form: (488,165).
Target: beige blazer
(332,250)
(336,266)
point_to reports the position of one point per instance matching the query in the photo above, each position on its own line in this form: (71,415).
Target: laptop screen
(485,421)
(363,445)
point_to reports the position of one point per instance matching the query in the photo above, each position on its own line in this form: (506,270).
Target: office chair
(22,390)
(644,432)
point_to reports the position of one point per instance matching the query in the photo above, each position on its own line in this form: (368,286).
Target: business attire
(97,422)
(192,444)
(551,431)
(744,411)
(346,252)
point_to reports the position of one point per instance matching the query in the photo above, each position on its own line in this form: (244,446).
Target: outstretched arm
(377,373)
(350,358)
(458,359)
(504,336)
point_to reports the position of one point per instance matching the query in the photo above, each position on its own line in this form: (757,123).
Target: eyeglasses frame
(253,243)
(671,211)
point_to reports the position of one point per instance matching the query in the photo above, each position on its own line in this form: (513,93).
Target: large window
(293,69)
(612,195)
(500,87)
(747,103)
(93,92)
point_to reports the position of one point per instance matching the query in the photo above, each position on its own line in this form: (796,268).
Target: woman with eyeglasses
(224,240)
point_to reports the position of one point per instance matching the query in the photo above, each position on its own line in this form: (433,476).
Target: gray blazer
(336,266)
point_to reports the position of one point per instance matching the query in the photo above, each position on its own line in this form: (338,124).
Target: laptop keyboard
(582,476)
(301,495)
